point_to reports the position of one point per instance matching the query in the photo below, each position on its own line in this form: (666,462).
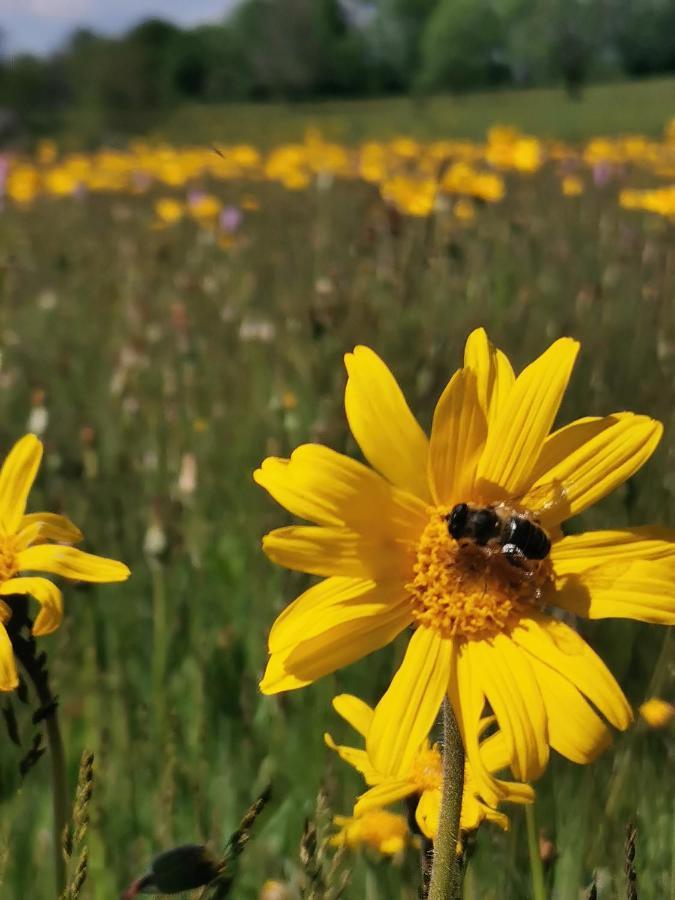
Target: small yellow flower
(289,400)
(464,210)
(274,890)
(657,713)
(204,207)
(378,829)
(482,632)
(25,547)
(424,776)
(572,186)
(169,211)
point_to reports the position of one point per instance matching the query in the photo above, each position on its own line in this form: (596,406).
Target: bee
(501,528)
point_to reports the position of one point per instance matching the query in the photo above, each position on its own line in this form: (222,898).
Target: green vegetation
(546,112)
(290,50)
(154,350)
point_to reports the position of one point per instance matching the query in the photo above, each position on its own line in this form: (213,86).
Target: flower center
(9,564)
(427,771)
(469,591)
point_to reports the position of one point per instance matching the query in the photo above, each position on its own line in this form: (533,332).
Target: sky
(39,26)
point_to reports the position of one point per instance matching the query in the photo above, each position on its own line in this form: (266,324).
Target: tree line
(308,49)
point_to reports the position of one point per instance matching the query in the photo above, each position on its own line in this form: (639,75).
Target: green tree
(463,46)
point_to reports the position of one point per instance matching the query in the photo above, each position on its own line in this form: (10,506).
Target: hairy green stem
(446,874)
(536,866)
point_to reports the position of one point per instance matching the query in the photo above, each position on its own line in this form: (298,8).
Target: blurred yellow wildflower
(169,211)
(572,186)
(274,890)
(482,631)
(25,547)
(659,200)
(657,713)
(411,196)
(23,184)
(204,207)
(464,210)
(378,829)
(46,152)
(60,181)
(424,776)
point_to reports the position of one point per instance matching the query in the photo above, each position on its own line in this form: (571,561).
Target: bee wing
(547,500)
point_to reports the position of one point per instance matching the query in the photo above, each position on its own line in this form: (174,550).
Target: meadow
(163,333)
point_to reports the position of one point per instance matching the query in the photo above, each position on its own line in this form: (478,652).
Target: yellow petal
(321,550)
(381,421)
(354,711)
(53,527)
(72,563)
(578,552)
(318,484)
(574,729)
(330,603)
(494,752)
(9,680)
(562,649)
(358,759)
(428,811)
(600,464)
(511,689)
(630,590)
(493,370)
(47,595)
(521,425)
(467,699)
(473,812)
(383,794)
(26,536)
(406,713)
(497,818)
(16,479)
(337,646)
(567,440)
(457,437)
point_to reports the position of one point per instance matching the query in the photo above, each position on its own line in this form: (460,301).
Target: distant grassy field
(547,112)
(169,363)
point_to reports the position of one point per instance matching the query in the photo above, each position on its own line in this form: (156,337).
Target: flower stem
(446,874)
(35,668)
(536,867)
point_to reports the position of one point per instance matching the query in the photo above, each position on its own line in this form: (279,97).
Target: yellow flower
(464,210)
(657,713)
(381,830)
(168,210)
(572,186)
(424,776)
(482,633)
(204,207)
(25,547)
(274,890)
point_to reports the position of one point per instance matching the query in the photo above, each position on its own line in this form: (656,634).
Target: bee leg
(515,556)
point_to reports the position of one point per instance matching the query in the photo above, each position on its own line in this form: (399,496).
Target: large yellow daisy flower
(481,629)
(424,777)
(24,547)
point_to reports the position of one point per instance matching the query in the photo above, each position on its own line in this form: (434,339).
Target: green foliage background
(106,86)
(159,676)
